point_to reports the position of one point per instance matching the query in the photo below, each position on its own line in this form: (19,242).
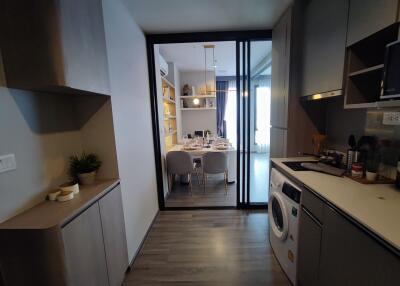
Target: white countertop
(376,206)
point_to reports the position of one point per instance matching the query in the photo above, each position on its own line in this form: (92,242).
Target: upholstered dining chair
(215,163)
(179,163)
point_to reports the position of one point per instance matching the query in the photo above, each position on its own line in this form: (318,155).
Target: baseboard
(142,242)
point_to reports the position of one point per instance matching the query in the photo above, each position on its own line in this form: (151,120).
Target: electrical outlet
(7,163)
(391,118)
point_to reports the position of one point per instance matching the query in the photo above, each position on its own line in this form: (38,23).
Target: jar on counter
(357,170)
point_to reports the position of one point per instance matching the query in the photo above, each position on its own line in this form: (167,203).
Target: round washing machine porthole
(278,216)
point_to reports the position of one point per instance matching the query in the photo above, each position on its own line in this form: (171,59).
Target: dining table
(199,151)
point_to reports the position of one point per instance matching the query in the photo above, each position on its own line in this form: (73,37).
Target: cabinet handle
(312,217)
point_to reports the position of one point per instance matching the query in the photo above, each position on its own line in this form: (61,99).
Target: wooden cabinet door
(369,16)
(349,256)
(280,71)
(278,142)
(112,220)
(310,233)
(324,45)
(84,45)
(84,249)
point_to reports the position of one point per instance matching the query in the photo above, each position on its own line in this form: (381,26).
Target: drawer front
(313,204)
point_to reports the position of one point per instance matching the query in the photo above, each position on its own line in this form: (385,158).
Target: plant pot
(371,176)
(87,178)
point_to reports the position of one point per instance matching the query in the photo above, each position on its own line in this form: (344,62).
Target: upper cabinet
(369,16)
(280,70)
(324,44)
(54,45)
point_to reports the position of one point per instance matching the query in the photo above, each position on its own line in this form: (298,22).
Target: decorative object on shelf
(84,167)
(52,196)
(187,90)
(70,186)
(65,196)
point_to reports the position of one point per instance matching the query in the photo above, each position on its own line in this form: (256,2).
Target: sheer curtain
(263,105)
(230,113)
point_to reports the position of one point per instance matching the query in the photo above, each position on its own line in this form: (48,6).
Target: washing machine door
(278,216)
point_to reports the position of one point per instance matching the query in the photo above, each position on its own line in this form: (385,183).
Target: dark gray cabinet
(113,226)
(351,257)
(54,46)
(280,70)
(333,250)
(310,234)
(84,249)
(324,45)
(369,16)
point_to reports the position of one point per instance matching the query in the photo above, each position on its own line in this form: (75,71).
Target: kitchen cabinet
(334,250)
(113,226)
(54,46)
(310,234)
(324,46)
(280,70)
(278,142)
(349,256)
(84,249)
(367,17)
(79,242)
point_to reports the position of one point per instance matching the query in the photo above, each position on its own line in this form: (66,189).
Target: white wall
(126,48)
(198,119)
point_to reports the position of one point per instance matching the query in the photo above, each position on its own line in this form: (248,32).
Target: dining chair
(215,163)
(179,163)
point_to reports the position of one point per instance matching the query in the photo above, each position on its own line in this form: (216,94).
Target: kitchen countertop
(49,214)
(375,206)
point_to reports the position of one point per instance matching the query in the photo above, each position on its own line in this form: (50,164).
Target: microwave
(390,87)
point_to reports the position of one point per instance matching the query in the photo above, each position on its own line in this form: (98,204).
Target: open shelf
(367,70)
(167,82)
(199,108)
(169,117)
(170,133)
(198,96)
(364,69)
(169,100)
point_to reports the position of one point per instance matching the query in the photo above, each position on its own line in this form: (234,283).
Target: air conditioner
(163,66)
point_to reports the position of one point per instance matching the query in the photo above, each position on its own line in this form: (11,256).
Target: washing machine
(283,215)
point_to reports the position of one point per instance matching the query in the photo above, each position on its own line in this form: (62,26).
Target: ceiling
(190,56)
(174,16)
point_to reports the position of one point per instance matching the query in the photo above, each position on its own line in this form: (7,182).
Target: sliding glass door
(253,111)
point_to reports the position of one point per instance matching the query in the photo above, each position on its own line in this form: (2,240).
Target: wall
(128,71)
(198,120)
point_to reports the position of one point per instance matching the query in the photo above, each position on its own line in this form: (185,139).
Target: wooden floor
(221,247)
(214,195)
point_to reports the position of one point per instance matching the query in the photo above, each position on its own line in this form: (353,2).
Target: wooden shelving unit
(169,103)
(205,102)
(364,71)
(199,108)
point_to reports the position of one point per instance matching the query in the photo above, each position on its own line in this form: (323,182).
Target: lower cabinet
(309,249)
(95,244)
(335,251)
(84,249)
(114,236)
(349,256)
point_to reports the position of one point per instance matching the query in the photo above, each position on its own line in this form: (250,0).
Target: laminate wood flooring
(213,196)
(203,248)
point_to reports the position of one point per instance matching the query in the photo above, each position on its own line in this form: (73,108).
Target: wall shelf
(198,96)
(367,70)
(170,133)
(167,82)
(169,100)
(200,108)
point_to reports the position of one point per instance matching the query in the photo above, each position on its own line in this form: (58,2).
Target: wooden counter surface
(49,214)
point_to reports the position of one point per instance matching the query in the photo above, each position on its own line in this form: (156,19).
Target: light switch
(7,163)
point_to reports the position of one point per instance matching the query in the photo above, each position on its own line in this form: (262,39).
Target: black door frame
(153,39)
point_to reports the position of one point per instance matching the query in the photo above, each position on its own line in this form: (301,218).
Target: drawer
(312,203)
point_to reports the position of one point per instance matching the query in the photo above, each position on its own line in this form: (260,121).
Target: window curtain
(222,90)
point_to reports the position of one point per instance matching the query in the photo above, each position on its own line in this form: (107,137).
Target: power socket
(7,163)
(391,118)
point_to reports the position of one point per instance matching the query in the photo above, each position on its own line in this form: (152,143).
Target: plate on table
(221,147)
(189,148)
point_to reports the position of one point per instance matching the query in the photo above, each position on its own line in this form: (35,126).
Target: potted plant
(84,167)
